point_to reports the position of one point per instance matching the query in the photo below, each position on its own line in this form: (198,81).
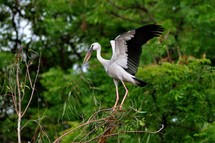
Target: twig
(18,88)
(116,6)
(132,7)
(125,18)
(14,102)
(107,122)
(19,103)
(90,132)
(91,118)
(124,132)
(41,128)
(82,125)
(96,113)
(34,84)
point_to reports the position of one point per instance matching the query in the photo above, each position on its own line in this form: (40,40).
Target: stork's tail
(139,82)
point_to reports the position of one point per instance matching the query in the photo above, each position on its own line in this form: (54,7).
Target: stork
(126,51)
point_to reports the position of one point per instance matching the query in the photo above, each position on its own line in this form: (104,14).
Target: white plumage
(124,62)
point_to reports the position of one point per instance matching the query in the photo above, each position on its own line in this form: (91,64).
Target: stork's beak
(88,55)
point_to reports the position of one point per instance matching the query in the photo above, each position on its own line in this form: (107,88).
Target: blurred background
(43,43)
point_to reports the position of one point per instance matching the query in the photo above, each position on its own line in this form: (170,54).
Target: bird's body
(124,62)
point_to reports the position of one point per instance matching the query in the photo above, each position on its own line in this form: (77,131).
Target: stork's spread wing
(128,46)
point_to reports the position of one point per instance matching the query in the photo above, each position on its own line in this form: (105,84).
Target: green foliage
(7,59)
(64,92)
(180,96)
(207,134)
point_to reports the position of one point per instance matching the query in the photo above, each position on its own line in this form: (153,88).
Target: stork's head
(94,46)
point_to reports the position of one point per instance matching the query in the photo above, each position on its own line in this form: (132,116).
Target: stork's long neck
(103,61)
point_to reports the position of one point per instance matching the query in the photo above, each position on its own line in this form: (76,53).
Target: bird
(126,52)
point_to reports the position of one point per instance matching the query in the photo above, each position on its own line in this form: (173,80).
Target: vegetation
(47,95)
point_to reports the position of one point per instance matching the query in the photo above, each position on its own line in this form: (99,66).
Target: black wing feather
(141,36)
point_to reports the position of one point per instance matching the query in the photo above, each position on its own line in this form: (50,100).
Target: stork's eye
(92,47)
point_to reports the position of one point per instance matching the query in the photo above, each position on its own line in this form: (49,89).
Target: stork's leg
(117,94)
(126,93)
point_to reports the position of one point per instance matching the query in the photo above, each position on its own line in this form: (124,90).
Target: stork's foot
(117,108)
(120,107)
(114,108)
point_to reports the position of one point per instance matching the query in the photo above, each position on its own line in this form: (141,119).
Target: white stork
(124,62)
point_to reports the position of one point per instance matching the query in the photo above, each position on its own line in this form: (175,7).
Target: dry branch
(18,92)
(111,124)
